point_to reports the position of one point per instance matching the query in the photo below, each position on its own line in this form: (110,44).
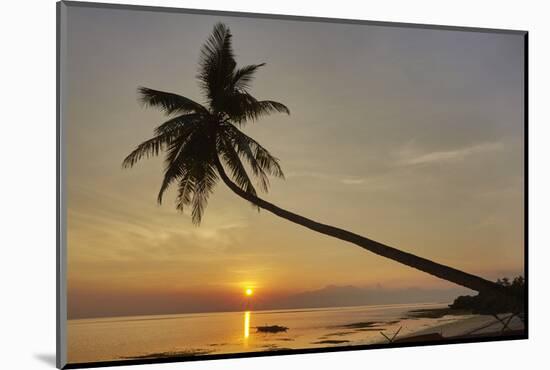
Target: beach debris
(505,322)
(271,329)
(390,340)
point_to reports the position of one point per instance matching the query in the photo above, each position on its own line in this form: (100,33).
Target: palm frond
(216,65)
(205,180)
(185,191)
(169,102)
(174,125)
(242,77)
(233,161)
(181,156)
(242,107)
(265,159)
(260,160)
(196,182)
(147,149)
(189,160)
(175,167)
(196,175)
(172,130)
(270,106)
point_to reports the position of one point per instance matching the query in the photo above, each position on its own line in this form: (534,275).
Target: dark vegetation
(486,303)
(483,303)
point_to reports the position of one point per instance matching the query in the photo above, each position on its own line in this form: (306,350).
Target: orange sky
(411,137)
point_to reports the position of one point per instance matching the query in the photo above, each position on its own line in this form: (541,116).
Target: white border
(28,181)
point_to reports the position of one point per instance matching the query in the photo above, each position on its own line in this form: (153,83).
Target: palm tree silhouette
(201,142)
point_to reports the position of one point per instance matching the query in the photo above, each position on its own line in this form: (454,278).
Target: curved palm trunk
(441,271)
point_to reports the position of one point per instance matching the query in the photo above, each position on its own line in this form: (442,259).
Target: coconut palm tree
(203,144)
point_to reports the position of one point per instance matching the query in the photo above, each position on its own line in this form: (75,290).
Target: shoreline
(169,315)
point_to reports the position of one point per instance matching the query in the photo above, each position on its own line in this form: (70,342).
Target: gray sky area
(412,137)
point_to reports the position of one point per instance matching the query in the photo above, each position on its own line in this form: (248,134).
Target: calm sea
(120,338)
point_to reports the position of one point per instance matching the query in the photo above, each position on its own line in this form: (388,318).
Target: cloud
(353,181)
(313,174)
(410,158)
(343,179)
(112,227)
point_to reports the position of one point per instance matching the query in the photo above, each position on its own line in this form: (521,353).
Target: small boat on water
(271,329)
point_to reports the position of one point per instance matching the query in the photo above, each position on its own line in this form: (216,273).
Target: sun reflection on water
(246,325)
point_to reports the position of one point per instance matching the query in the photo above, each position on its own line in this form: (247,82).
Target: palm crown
(197,137)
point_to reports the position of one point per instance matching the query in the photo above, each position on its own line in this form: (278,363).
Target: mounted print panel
(236,185)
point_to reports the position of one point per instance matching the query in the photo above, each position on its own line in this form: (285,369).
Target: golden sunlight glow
(123,248)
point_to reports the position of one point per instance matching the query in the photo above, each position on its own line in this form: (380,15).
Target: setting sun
(248,292)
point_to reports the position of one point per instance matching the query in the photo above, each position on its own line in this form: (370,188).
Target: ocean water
(139,337)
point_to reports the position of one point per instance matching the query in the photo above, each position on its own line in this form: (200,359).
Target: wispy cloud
(343,179)
(313,174)
(353,181)
(116,228)
(411,157)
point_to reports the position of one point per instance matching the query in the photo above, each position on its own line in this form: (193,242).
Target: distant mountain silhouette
(349,295)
